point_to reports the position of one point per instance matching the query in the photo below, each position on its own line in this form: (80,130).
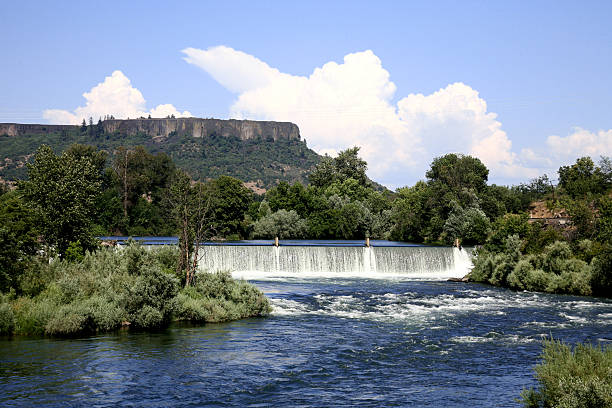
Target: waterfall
(253,262)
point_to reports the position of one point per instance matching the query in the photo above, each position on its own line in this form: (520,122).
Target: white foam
(409,307)
(265,262)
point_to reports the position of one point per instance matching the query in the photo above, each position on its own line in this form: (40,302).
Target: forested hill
(263,153)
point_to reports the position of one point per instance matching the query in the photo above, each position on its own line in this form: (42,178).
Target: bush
(538,281)
(31,316)
(149,301)
(111,286)
(217,297)
(601,278)
(70,320)
(555,256)
(148,317)
(282,224)
(578,378)
(7,319)
(519,277)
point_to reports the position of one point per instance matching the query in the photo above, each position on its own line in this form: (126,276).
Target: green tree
(18,238)
(231,200)
(458,172)
(63,190)
(582,178)
(346,165)
(409,213)
(471,225)
(282,224)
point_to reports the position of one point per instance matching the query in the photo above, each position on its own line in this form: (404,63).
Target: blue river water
(330,342)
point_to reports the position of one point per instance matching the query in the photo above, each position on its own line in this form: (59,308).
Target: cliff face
(18,129)
(195,127)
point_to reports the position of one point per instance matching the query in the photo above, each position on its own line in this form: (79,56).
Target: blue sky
(532,79)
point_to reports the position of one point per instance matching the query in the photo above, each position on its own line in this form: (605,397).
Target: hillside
(262,153)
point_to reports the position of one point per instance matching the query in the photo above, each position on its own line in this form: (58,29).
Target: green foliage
(75,252)
(110,287)
(578,378)
(457,172)
(346,165)
(7,319)
(258,159)
(340,203)
(447,206)
(63,191)
(583,178)
(470,224)
(555,270)
(217,297)
(601,279)
(18,238)
(282,224)
(231,203)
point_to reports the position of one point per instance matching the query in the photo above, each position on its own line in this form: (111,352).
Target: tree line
(70,199)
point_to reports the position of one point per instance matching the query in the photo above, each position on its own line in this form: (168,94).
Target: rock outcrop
(195,127)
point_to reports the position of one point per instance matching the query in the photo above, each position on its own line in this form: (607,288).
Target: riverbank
(555,270)
(130,288)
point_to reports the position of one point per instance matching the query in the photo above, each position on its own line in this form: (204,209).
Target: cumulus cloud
(351,103)
(115,96)
(581,142)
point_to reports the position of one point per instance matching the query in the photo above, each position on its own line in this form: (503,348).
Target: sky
(525,86)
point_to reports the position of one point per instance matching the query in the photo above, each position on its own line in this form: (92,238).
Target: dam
(256,259)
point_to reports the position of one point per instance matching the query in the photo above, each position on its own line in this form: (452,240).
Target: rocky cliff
(196,127)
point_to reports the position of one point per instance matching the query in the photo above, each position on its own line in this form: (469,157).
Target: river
(333,340)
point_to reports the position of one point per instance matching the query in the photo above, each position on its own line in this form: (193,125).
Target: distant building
(557,217)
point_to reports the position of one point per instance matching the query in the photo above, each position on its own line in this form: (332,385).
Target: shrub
(70,320)
(35,277)
(501,272)
(566,378)
(75,251)
(484,264)
(283,224)
(555,256)
(538,281)
(601,278)
(148,317)
(217,297)
(519,276)
(111,286)
(7,319)
(31,316)
(151,297)
(575,278)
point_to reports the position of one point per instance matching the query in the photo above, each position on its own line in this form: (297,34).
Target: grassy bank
(568,378)
(132,288)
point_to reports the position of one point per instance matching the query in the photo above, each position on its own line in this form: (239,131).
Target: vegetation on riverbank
(574,258)
(567,378)
(110,289)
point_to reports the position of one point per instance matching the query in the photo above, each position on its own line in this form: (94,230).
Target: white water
(261,262)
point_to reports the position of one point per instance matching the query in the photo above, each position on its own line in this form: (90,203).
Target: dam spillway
(419,262)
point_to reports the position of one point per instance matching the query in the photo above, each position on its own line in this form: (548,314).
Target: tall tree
(582,178)
(192,208)
(63,190)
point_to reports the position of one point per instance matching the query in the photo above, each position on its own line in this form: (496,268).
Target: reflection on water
(329,342)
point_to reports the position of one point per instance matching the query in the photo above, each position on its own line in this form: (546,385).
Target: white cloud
(115,96)
(581,142)
(351,103)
